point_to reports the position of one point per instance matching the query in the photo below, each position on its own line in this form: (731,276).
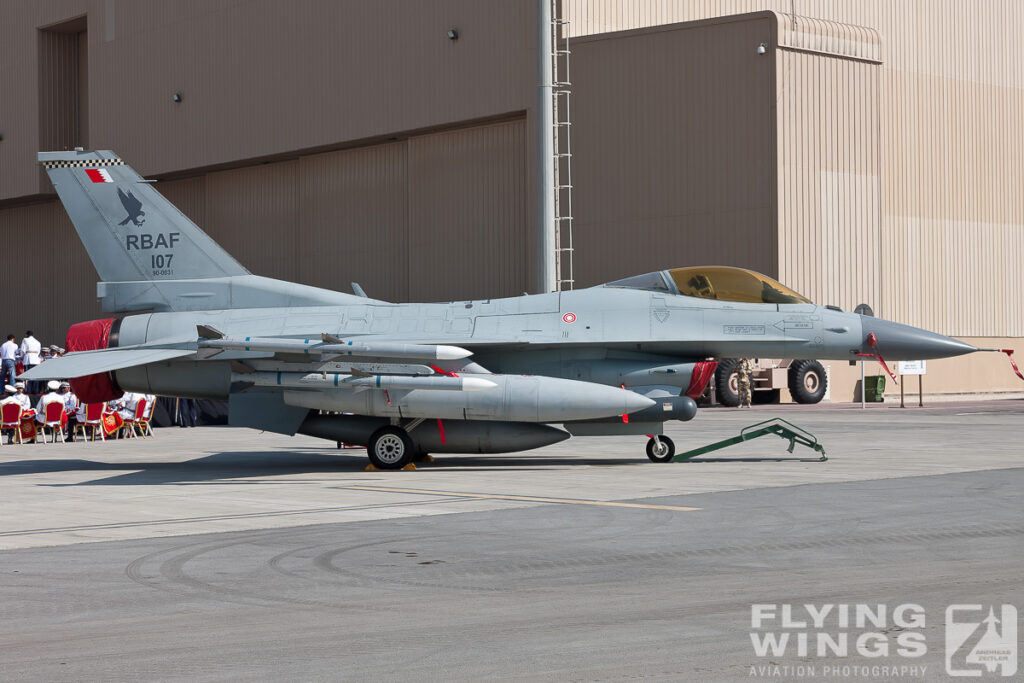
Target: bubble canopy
(719,283)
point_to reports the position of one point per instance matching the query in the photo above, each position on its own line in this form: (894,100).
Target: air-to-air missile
(331,347)
(469,376)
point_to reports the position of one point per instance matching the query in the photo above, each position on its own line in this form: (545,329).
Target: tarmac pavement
(226,554)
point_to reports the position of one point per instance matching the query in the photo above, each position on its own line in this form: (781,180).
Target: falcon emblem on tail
(133,206)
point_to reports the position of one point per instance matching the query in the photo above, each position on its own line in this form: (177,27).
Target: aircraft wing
(91,362)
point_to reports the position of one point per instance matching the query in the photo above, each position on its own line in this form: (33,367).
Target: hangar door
(468,225)
(433,217)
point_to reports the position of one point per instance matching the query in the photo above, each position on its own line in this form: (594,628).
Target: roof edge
(832,38)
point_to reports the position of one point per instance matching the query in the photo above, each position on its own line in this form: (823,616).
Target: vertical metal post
(546,227)
(901,391)
(920,391)
(862,385)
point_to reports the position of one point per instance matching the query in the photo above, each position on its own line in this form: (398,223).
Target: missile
(337,347)
(515,398)
(332,380)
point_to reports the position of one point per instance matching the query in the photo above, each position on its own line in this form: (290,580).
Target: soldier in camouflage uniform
(743,377)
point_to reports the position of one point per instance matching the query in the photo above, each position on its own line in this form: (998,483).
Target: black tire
(726,391)
(390,448)
(665,454)
(807,381)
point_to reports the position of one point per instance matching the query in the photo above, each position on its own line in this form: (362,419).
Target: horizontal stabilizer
(85,363)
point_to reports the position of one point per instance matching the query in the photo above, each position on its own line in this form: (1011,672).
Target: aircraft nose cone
(903,342)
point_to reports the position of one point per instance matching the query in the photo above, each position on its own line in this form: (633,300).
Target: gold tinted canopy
(724,283)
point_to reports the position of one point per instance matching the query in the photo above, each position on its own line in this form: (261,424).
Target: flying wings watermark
(880,641)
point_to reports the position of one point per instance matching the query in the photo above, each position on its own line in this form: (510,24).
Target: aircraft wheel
(807,381)
(390,448)
(661,450)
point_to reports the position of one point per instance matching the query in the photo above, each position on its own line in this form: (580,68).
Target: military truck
(806,380)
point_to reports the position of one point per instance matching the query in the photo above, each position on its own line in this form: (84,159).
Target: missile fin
(209,332)
(241,368)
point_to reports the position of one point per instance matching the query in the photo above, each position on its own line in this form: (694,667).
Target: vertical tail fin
(132,233)
(148,254)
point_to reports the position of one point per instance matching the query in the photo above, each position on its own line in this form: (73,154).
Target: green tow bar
(778,427)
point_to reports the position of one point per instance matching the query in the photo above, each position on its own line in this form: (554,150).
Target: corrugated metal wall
(950,101)
(264,78)
(434,217)
(53,282)
(253,213)
(673,150)
(829,165)
(354,206)
(470,234)
(668,138)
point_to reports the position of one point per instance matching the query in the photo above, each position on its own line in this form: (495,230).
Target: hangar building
(859,151)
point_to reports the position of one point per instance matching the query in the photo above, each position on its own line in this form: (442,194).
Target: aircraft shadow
(213,468)
(762,459)
(445,461)
(221,468)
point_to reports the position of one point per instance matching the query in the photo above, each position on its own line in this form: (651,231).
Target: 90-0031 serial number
(160,264)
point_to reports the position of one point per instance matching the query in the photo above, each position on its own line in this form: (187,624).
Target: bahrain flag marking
(99,175)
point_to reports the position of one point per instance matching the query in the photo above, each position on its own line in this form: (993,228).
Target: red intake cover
(703,371)
(91,336)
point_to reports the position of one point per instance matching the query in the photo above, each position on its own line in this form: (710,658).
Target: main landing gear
(390,448)
(660,448)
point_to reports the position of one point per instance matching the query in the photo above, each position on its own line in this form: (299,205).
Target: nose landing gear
(660,448)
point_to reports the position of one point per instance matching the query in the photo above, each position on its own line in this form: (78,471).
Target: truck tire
(726,391)
(807,381)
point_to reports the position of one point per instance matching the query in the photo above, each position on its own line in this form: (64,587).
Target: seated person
(70,407)
(24,399)
(150,404)
(80,414)
(128,403)
(46,399)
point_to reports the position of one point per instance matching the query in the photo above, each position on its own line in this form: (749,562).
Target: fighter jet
(406,379)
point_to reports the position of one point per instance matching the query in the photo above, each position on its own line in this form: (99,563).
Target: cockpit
(720,283)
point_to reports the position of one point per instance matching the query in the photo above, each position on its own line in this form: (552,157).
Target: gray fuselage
(600,334)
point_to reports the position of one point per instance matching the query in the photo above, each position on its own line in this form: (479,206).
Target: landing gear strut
(390,448)
(660,449)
